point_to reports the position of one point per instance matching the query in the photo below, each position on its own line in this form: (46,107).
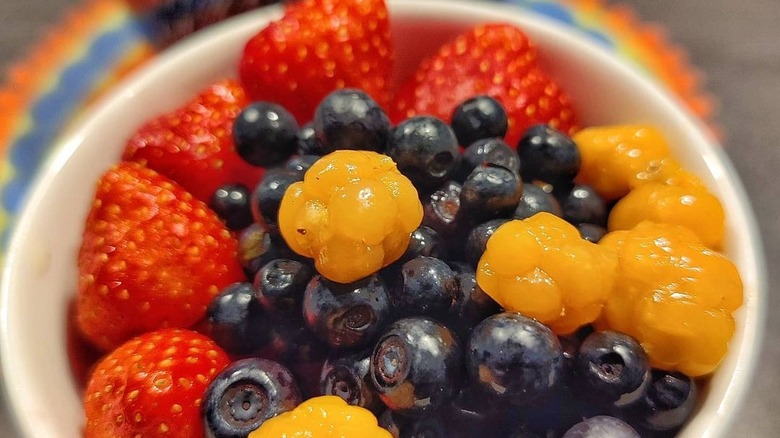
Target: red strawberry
(317,47)
(193,145)
(496,60)
(152,386)
(152,256)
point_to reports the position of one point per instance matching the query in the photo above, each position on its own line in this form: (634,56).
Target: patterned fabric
(103,40)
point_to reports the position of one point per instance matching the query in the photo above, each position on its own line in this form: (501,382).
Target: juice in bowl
(43,255)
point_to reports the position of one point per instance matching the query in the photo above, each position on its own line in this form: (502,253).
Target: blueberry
(346,315)
(591,233)
(307,142)
(584,205)
(476,242)
(489,150)
(351,119)
(601,426)
(423,242)
(460,268)
(612,366)
(254,249)
(301,163)
(668,402)
(425,149)
(392,423)
(231,203)
(291,342)
(515,358)
(441,210)
(280,285)
(427,286)
(471,306)
(257,247)
(235,320)
(536,200)
(347,376)
(265,134)
(548,155)
(473,412)
(245,394)
(416,366)
(490,192)
(477,118)
(268,195)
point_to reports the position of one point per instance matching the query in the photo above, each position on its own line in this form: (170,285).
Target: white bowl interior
(40,389)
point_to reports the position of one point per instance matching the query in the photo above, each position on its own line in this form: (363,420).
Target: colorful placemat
(102,40)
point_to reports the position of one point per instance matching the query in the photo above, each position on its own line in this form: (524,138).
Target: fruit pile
(306,252)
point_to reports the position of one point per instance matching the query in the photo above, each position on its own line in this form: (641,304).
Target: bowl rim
(456,10)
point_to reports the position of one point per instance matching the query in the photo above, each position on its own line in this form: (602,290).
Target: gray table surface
(736,44)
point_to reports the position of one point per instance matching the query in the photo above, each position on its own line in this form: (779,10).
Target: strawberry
(496,60)
(193,145)
(317,47)
(152,256)
(152,385)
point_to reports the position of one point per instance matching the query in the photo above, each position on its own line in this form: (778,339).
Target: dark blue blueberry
(591,233)
(536,200)
(346,315)
(392,423)
(416,366)
(301,163)
(473,413)
(290,341)
(254,249)
(235,320)
(612,366)
(460,267)
(490,192)
(476,242)
(280,285)
(426,151)
(584,205)
(601,426)
(478,118)
(268,195)
(307,142)
(489,150)
(668,403)
(265,134)
(423,242)
(515,358)
(347,376)
(245,394)
(351,119)
(471,306)
(441,210)
(231,203)
(257,247)
(426,286)
(548,155)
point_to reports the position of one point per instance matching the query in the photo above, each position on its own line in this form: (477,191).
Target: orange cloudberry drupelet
(634,162)
(616,159)
(541,267)
(674,295)
(353,213)
(689,206)
(326,416)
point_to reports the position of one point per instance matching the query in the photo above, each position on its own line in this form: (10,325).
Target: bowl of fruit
(345,218)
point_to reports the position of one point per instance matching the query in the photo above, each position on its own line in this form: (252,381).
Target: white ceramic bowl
(39,277)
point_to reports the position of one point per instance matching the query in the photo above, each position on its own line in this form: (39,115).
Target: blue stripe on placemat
(53,110)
